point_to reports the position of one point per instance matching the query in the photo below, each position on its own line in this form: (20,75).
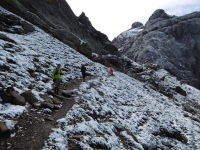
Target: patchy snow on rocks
(10,110)
(129,34)
(110,112)
(125,36)
(120,112)
(31,60)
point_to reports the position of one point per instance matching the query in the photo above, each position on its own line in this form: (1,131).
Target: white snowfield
(112,112)
(109,104)
(125,36)
(129,34)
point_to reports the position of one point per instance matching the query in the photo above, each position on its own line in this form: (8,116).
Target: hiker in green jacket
(57,78)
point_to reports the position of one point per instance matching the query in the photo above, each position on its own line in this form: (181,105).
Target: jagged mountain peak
(137,25)
(125,36)
(171,42)
(85,20)
(157,15)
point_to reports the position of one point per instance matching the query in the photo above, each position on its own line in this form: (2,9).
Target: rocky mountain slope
(171,43)
(149,109)
(125,36)
(56,18)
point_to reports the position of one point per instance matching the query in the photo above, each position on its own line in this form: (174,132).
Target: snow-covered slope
(110,112)
(129,33)
(125,36)
(122,113)
(37,52)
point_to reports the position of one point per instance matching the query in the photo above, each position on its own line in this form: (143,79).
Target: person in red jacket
(111,70)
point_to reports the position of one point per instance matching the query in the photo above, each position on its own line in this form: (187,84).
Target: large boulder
(85,50)
(68,93)
(125,36)
(29,97)
(11,96)
(56,101)
(137,25)
(47,105)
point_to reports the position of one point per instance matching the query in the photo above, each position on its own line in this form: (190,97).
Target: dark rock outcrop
(85,21)
(56,101)
(171,133)
(137,25)
(68,93)
(57,18)
(171,42)
(9,21)
(158,15)
(11,96)
(29,97)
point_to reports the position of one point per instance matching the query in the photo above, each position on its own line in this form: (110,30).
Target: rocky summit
(135,107)
(171,43)
(125,36)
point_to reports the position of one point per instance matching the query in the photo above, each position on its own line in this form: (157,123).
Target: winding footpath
(33,130)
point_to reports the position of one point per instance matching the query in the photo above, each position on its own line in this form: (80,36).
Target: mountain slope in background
(125,36)
(151,111)
(56,18)
(170,42)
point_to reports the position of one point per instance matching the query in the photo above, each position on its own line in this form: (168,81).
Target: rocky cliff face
(125,36)
(170,42)
(56,18)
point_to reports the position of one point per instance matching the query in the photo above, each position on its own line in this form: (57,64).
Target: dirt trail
(32,129)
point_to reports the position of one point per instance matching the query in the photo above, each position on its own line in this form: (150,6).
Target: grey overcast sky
(112,17)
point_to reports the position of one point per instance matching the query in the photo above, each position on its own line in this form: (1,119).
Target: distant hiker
(111,70)
(57,78)
(83,70)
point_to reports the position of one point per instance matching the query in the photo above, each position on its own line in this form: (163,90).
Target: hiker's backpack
(55,74)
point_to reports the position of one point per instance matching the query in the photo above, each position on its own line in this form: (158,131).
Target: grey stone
(48,105)
(11,96)
(56,101)
(136,25)
(170,42)
(68,93)
(49,119)
(29,97)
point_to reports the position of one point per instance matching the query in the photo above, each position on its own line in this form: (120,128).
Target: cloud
(112,17)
